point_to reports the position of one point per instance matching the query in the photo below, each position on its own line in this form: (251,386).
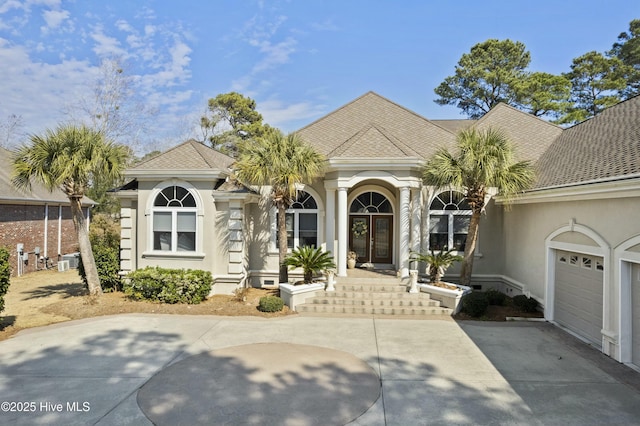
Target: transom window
(371,202)
(449,217)
(174,220)
(302,222)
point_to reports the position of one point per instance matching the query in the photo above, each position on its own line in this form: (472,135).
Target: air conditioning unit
(63,265)
(72,258)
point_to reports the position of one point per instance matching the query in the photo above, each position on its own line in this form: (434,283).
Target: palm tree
(483,160)
(311,260)
(281,162)
(69,158)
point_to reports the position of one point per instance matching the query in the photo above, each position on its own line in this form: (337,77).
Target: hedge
(5,275)
(156,284)
(525,304)
(270,304)
(475,304)
(108,265)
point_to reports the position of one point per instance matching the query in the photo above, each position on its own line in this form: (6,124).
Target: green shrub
(108,265)
(5,275)
(270,304)
(496,297)
(190,286)
(104,235)
(525,304)
(475,304)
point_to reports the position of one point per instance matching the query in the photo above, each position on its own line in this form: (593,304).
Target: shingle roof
(454,126)
(372,126)
(373,141)
(38,194)
(605,146)
(530,135)
(190,155)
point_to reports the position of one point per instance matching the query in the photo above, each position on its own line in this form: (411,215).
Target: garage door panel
(578,294)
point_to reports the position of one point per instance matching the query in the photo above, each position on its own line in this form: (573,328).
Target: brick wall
(26,224)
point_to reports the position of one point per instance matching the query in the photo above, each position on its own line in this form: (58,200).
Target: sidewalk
(103,370)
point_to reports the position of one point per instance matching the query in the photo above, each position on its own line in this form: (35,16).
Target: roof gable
(375,142)
(190,155)
(378,127)
(531,135)
(605,146)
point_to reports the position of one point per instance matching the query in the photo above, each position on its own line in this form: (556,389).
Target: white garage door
(635,308)
(578,294)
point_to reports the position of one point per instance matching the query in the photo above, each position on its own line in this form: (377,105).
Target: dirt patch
(48,297)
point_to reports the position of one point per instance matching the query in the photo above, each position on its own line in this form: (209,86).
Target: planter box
(293,295)
(447,298)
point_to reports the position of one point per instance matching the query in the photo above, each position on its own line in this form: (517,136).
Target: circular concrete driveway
(262,384)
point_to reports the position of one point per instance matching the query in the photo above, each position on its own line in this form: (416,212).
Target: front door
(382,240)
(371,237)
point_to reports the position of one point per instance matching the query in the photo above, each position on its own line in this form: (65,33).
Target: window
(586,262)
(449,217)
(370,202)
(174,220)
(302,222)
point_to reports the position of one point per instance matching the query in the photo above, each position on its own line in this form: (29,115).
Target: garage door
(578,294)
(635,304)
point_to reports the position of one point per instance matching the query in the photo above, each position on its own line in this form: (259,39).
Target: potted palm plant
(312,260)
(448,294)
(438,262)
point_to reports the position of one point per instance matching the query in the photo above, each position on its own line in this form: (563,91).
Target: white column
(330,221)
(416,219)
(404,232)
(424,246)
(342,232)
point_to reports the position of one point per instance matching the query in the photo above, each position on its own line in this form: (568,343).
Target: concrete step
(343,294)
(372,288)
(380,296)
(371,310)
(404,302)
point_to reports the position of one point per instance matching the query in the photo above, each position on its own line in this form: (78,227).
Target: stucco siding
(527,226)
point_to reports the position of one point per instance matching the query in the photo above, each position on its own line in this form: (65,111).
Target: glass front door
(382,239)
(359,238)
(371,237)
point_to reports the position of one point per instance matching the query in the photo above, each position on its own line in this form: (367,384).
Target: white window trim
(273,215)
(150,252)
(450,218)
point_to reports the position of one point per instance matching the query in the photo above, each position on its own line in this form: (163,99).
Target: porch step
(383,296)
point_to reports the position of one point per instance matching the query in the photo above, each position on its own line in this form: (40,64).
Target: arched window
(302,222)
(174,220)
(449,216)
(370,202)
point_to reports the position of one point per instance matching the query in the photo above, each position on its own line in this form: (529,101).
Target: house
(572,242)
(39,220)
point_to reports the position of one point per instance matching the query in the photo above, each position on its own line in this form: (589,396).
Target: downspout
(59,231)
(46,232)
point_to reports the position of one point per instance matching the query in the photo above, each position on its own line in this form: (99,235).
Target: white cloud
(49,86)
(326,25)
(275,55)
(105,44)
(10,5)
(277,114)
(55,18)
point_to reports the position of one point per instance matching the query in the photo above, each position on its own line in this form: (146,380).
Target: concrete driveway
(102,370)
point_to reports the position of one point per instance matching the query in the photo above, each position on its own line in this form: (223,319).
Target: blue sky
(299,59)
